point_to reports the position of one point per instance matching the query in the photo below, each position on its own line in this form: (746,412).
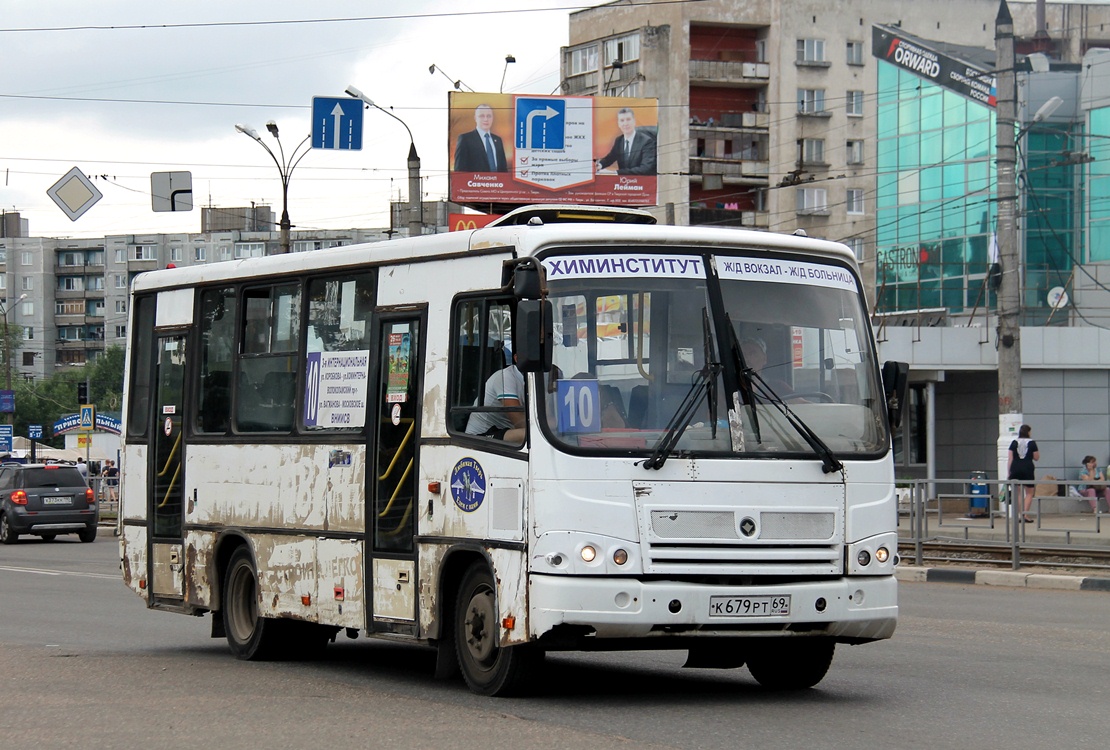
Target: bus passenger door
(391,506)
(167,451)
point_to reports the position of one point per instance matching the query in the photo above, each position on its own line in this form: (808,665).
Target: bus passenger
(503,388)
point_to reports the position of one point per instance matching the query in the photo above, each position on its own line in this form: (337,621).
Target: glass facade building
(935,189)
(936,202)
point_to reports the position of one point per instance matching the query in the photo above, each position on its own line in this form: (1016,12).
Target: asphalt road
(84,664)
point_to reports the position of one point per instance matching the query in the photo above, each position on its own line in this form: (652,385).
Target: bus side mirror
(526,277)
(896,382)
(532,335)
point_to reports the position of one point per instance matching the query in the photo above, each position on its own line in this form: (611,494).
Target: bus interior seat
(637,406)
(215,410)
(279,388)
(611,394)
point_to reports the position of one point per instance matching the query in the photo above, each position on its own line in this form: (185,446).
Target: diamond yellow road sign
(75,194)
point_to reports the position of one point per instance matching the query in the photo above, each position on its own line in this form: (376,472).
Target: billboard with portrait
(522,148)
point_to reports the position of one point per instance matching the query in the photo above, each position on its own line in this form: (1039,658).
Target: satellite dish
(1057,297)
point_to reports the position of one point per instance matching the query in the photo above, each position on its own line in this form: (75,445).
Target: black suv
(45,500)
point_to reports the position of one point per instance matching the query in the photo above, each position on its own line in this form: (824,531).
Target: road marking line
(42,572)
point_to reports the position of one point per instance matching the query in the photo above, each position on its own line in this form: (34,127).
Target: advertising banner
(912,54)
(519,148)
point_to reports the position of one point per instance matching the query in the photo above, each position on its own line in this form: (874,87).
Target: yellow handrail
(397,489)
(176,473)
(176,445)
(169,489)
(400,448)
(401,524)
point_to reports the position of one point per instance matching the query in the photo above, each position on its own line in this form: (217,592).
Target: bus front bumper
(855,609)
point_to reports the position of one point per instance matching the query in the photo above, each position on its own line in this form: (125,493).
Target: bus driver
(503,388)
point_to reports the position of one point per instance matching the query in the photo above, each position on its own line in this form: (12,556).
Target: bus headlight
(863,558)
(588,553)
(882,554)
(620,556)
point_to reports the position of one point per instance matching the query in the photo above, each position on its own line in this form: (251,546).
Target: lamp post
(416,219)
(8,351)
(508,59)
(457,83)
(285,169)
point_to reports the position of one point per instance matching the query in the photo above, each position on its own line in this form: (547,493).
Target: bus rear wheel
(791,663)
(487,668)
(249,636)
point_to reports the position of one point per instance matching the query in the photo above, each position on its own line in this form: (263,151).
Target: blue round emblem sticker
(468,484)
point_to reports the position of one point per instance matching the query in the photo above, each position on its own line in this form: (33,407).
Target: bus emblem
(468,485)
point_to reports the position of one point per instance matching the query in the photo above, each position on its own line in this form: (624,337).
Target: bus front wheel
(791,663)
(487,668)
(250,637)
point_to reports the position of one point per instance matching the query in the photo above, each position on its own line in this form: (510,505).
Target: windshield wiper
(710,355)
(704,385)
(829,462)
(682,416)
(743,376)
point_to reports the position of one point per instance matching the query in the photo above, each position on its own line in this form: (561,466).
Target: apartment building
(68,297)
(768,108)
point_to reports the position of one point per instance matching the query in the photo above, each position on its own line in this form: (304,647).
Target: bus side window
(483,347)
(217,337)
(267,384)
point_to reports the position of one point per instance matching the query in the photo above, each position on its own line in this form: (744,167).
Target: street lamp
(416,222)
(457,83)
(285,169)
(8,350)
(508,59)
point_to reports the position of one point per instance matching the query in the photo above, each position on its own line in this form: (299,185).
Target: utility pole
(1009,254)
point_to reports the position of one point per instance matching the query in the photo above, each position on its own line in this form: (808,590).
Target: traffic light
(82,393)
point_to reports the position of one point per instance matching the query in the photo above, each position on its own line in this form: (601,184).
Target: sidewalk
(1012,578)
(1077,529)
(1064,533)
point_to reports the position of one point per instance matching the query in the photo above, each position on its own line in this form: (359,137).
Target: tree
(46,401)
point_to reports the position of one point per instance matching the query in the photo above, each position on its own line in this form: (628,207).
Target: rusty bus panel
(300,491)
(510,571)
(340,599)
(132,546)
(286,576)
(132,504)
(394,590)
(200,568)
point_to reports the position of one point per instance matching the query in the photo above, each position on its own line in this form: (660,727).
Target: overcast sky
(80,86)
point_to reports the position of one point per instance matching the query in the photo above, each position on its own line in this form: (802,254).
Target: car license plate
(57,500)
(748,606)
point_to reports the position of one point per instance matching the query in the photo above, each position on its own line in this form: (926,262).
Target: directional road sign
(171,191)
(337,123)
(6,438)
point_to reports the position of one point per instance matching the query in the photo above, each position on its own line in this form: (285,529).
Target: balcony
(585,82)
(730,122)
(729,73)
(733,171)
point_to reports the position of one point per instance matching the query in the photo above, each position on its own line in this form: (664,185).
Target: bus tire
(487,668)
(791,663)
(249,636)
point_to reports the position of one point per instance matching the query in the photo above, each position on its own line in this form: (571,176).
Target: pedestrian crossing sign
(88,416)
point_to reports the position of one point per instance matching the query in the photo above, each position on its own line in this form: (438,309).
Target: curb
(1010,578)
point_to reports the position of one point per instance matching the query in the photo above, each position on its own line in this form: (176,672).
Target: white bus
(692,450)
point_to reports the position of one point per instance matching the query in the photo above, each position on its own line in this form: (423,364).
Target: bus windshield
(735,353)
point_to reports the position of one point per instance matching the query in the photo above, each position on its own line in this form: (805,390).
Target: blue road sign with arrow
(336,123)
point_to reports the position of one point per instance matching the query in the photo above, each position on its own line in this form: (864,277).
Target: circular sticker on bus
(468,484)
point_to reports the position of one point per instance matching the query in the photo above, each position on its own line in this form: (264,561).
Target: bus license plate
(57,500)
(748,606)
